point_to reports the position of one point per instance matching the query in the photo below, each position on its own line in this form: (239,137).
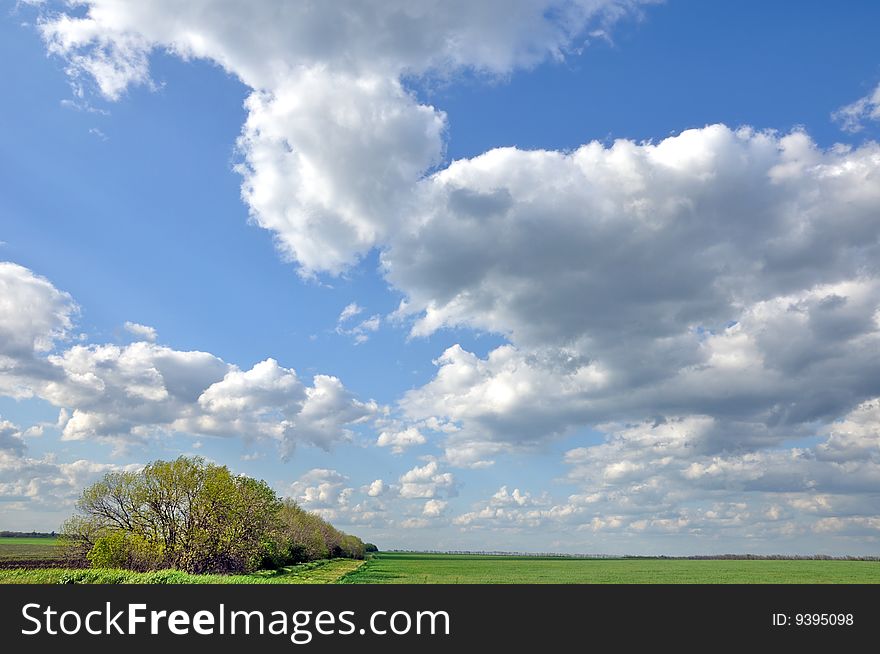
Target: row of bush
(198,517)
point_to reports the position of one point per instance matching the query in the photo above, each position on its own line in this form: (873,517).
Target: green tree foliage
(196,516)
(305,536)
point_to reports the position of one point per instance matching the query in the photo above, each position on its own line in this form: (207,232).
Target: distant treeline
(27,534)
(696,557)
(198,517)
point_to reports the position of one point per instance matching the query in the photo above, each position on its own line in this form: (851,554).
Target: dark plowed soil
(11,564)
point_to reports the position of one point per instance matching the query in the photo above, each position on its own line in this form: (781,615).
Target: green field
(28,541)
(317,572)
(409,568)
(28,549)
(414,568)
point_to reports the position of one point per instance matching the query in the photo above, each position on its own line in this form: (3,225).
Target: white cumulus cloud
(143,332)
(852,117)
(399,441)
(132,393)
(434,508)
(426,482)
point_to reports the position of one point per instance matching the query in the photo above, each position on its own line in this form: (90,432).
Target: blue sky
(130,201)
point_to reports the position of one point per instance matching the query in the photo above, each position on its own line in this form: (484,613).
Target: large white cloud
(131,393)
(306,146)
(263,43)
(719,272)
(612,242)
(333,143)
(33,315)
(270,400)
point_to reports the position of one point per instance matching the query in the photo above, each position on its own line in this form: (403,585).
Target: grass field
(28,541)
(409,568)
(413,568)
(317,572)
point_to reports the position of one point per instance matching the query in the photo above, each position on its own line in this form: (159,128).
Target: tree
(307,536)
(186,514)
(196,516)
(233,522)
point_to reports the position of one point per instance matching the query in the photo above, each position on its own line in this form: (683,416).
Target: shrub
(109,551)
